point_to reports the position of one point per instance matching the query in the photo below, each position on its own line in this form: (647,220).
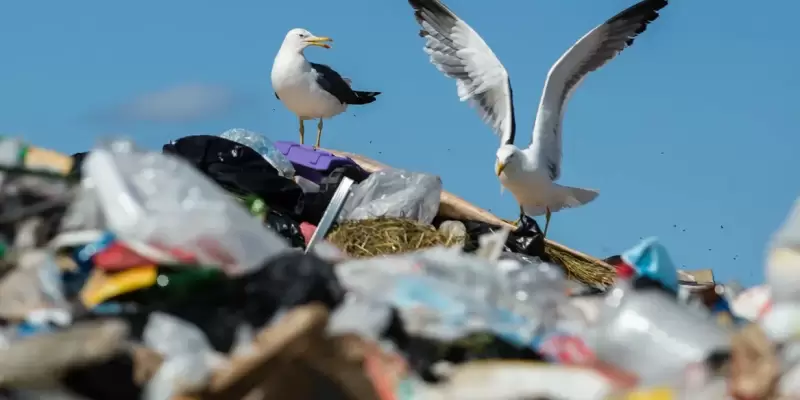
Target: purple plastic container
(309,163)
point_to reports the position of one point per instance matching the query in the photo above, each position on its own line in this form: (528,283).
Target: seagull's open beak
(499,167)
(320,41)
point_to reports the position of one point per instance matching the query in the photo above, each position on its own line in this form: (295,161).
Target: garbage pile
(231,267)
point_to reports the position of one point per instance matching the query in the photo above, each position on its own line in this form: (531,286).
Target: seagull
(311,90)
(529,174)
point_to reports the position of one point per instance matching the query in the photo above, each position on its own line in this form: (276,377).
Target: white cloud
(181,103)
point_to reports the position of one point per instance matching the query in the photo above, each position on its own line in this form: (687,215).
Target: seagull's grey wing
(591,52)
(460,53)
(333,83)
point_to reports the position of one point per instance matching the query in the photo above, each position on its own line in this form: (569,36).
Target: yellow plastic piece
(660,393)
(101,286)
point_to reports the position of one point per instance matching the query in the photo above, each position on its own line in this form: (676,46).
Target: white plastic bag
(395,193)
(158,204)
(188,357)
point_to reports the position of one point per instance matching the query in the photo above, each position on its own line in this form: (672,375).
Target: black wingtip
(645,12)
(435,7)
(364,97)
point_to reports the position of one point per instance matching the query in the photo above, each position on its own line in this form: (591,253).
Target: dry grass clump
(387,235)
(581,270)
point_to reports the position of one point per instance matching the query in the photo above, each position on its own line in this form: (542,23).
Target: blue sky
(689,134)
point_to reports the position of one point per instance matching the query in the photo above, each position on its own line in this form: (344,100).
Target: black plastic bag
(286,227)
(527,239)
(240,170)
(316,203)
(112,379)
(286,281)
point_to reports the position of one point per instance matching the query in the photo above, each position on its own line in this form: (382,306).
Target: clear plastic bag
(395,193)
(187,355)
(446,294)
(649,332)
(162,207)
(263,146)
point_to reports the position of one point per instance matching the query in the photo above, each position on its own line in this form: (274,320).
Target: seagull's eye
(302,35)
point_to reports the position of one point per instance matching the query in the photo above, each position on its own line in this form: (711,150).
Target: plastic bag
(360,316)
(158,205)
(649,332)
(188,360)
(527,239)
(285,226)
(263,146)
(395,193)
(290,280)
(239,169)
(445,294)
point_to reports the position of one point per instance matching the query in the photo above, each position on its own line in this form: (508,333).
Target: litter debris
(205,271)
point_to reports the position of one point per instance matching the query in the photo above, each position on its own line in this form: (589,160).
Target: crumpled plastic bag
(650,332)
(445,294)
(188,357)
(148,199)
(263,146)
(527,239)
(395,193)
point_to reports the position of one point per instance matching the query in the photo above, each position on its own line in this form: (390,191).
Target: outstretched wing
(591,52)
(460,53)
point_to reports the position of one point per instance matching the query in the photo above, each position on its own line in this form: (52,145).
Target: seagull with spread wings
(529,174)
(311,90)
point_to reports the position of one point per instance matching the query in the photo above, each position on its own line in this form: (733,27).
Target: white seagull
(311,90)
(460,53)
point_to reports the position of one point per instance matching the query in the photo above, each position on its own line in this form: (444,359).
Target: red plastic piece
(307,230)
(118,257)
(624,271)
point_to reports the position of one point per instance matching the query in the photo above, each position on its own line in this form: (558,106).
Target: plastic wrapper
(445,294)
(188,359)
(395,193)
(263,146)
(148,198)
(649,332)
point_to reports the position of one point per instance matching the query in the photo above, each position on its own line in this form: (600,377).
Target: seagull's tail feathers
(568,197)
(363,97)
(576,197)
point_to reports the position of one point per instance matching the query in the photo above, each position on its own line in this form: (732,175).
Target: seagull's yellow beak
(499,167)
(320,41)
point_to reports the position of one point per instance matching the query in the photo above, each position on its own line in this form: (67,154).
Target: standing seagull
(311,90)
(460,53)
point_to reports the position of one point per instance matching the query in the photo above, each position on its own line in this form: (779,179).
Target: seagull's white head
(508,156)
(298,39)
